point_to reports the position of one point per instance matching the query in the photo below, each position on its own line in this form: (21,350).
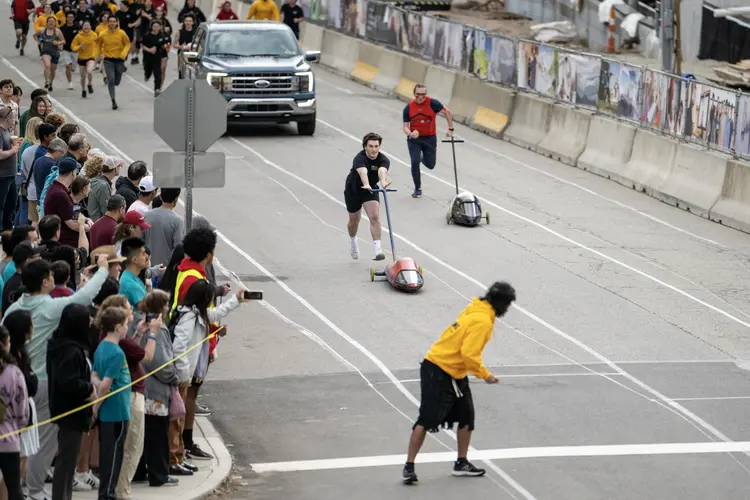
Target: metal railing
(713,116)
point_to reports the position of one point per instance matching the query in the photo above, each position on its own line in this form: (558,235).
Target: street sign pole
(189,165)
(190,155)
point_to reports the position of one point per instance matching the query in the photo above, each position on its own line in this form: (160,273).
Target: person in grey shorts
(114,46)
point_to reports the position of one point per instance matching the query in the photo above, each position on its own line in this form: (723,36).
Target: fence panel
(619,90)
(578,78)
(501,63)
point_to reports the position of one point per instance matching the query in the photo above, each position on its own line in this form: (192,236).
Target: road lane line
(617,450)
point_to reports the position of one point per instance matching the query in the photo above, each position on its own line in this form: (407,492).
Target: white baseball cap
(147,184)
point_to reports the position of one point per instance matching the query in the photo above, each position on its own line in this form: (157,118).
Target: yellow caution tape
(92,403)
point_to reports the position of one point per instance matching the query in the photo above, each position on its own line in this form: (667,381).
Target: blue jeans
(22,216)
(422,150)
(8,198)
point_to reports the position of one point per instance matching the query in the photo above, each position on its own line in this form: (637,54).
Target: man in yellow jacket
(114,47)
(264,10)
(446,395)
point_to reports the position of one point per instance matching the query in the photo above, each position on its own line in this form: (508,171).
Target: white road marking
(696,420)
(716,398)
(502,376)
(383,368)
(564,238)
(612,450)
(550,175)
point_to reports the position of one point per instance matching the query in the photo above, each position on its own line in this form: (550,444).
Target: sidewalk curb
(223,466)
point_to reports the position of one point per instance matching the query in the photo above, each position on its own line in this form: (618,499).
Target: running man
(68,58)
(51,42)
(446,395)
(21,11)
(421,132)
(114,46)
(369,168)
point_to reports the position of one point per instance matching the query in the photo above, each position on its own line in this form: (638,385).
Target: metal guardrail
(713,116)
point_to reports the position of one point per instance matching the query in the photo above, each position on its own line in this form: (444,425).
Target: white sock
(376,244)
(353,241)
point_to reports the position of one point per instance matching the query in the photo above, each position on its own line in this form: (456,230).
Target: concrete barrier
(339,52)
(529,122)
(464,103)
(389,71)
(311,36)
(495,105)
(608,147)
(366,66)
(733,207)
(440,82)
(568,132)
(413,71)
(696,180)
(650,162)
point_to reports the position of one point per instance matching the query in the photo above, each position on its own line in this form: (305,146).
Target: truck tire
(306,128)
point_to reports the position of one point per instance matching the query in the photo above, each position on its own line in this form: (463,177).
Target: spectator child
(61,272)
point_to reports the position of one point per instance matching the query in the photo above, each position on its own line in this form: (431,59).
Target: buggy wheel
(487,216)
(372,274)
(448,219)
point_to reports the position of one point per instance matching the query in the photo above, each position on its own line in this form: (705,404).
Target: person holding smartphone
(9,147)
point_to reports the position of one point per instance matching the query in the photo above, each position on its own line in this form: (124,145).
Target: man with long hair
(446,395)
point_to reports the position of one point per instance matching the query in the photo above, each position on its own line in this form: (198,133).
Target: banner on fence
(742,141)
(501,67)
(537,68)
(482,52)
(380,24)
(587,80)
(655,91)
(618,90)
(721,118)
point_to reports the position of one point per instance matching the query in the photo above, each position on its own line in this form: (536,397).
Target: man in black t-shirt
(369,168)
(293,15)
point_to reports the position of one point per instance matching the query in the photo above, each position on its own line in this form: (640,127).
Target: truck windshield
(253,43)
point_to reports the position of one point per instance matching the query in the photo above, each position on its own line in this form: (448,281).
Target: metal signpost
(190,115)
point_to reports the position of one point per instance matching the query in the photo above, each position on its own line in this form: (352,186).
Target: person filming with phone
(191,324)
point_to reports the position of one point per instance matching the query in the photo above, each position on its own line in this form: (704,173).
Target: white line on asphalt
(502,376)
(696,420)
(564,238)
(716,398)
(383,368)
(616,450)
(548,174)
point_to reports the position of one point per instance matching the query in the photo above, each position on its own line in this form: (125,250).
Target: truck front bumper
(270,110)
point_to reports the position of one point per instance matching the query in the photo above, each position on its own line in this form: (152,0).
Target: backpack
(52,177)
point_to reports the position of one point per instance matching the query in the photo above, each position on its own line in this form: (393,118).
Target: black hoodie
(127,190)
(69,380)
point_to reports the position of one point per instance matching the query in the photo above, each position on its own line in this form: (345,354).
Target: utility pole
(666,26)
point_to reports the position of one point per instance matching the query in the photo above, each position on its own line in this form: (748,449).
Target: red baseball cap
(136,219)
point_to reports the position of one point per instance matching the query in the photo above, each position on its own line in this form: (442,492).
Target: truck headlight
(216,80)
(304,81)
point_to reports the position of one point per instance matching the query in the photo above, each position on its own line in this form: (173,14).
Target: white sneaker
(70,85)
(92,480)
(354,251)
(379,255)
(80,482)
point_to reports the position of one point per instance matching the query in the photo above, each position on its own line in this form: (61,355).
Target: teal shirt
(109,361)
(132,287)
(10,270)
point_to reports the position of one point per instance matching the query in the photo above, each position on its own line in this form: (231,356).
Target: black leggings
(10,465)
(152,65)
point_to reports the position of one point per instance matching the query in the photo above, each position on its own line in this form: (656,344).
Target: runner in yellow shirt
(114,46)
(264,10)
(86,45)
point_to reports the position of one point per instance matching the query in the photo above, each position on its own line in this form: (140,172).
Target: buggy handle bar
(383,190)
(457,141)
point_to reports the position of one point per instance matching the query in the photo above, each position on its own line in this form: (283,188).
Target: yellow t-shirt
(264,10)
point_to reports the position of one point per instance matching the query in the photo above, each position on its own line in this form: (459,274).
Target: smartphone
(150,317)
(253,295)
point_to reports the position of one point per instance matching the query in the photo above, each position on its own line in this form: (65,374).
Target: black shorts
(354,201)
(21,25)
(441,406)
(84,62)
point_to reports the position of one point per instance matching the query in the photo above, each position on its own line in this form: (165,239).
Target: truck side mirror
(190,57)
(312,56)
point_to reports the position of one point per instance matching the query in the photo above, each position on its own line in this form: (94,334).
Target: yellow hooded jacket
(458,352)
(114,44)
(264,10)
(90,48)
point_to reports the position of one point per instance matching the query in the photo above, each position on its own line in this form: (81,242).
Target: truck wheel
(306,128)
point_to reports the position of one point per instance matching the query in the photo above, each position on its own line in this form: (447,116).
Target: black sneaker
(18,43)
(91,89)
(21,51)
(408,476)
(114,105)
(467,469)
(179,470)
(83,94)
(134,61)
(190,467)
(196,453)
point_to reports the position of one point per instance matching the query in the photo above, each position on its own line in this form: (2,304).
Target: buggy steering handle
(452,139)
(383,190)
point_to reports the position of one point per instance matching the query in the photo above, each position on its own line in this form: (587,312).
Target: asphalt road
(631,326)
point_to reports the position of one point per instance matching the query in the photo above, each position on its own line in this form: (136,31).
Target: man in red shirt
(21,11)
(59,202)
(103,230)
(421,132)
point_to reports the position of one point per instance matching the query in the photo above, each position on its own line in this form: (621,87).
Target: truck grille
(263,83)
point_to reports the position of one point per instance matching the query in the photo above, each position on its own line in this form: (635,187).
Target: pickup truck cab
(260,69)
